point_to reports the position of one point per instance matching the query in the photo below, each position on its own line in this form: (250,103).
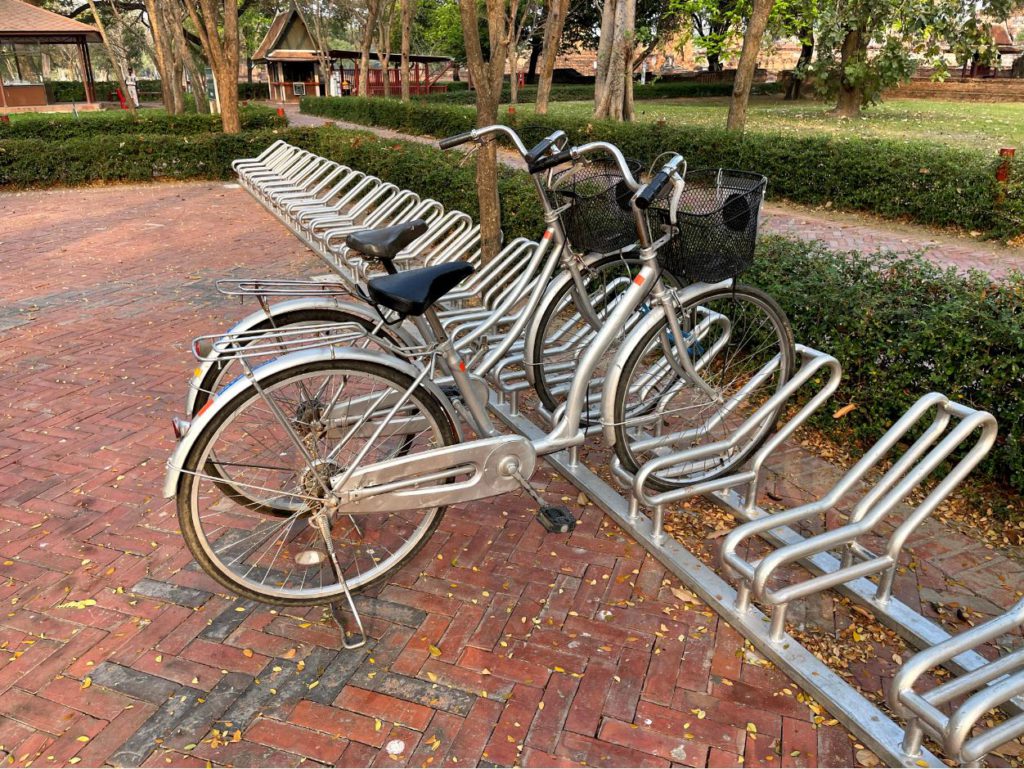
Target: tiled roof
(18,18)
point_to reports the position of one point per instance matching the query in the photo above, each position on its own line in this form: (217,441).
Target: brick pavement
(548,649)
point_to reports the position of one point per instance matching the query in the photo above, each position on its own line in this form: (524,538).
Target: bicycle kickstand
(323,523)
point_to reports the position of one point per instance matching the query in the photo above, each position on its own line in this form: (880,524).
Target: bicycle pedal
(556,519)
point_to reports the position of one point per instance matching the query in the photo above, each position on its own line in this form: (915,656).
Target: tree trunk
(747,67)
(407,14)
(806,52)
(851,96)
(372,8)
(487,77)
(615,73)
(115,61)
(714,62)
(161,54)
(216,23)
(386,17)
(173,19)
(552,37)
(604,50)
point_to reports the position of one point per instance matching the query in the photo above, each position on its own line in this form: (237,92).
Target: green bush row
(61,126)
(145,157)
(924,182)
(584,92)
(63,91)
(901,327)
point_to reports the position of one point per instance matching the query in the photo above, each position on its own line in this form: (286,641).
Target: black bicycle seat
(386,242)
(412,292)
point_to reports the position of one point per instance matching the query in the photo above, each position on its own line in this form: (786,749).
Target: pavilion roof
(21,20)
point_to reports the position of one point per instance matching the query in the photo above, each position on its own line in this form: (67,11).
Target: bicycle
(357,454)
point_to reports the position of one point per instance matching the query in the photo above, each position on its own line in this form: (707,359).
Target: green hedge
(112,158)
(63,91)
(920,181)
(899,325)
(61,126)
(584,92)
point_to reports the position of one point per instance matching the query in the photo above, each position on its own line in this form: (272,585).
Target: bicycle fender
(613,374)
(221,400)
(292,305)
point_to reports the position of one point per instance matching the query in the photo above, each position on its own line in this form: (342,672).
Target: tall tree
(406,14)
(756,25)
(613,85)
(372,10)
(163,56)
(557,10)
(115,60)
(714,26)
(488,73)
(385,23)
(185,55)
(906,33)
(216,23)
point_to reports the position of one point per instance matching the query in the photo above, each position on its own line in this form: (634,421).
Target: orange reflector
(462,365)
(205,407)
(547,235)
(639,280)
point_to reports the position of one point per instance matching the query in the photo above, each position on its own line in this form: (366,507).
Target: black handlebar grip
(647,195)
(538,150)
(551,161)
(455,141)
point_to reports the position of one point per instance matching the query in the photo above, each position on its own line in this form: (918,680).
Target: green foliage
(660,89)
(924,182)
(119,158)
(61,126)
(902,327)
(906,33)
(65,91)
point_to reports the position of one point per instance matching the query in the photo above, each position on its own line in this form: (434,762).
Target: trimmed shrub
(63,91)
(662,89)
(61,125)
(117,158)
(924,182)
(901,327)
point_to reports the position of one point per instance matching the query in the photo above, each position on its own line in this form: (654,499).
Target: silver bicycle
(342,461)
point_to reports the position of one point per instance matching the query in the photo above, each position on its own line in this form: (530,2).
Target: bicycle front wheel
(739,342)
(260,542)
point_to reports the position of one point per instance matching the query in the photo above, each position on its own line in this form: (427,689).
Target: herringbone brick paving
(499,645)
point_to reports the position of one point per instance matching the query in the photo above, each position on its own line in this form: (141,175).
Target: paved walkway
(495,646)
(841,231)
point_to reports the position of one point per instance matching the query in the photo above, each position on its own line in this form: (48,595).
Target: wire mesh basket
(716,224)
(599,217)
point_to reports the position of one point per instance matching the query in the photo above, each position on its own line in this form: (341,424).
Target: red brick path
(554,649)
(548,649)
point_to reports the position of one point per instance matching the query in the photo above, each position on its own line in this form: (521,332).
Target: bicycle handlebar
(455,141)
(654,187)
(556,140)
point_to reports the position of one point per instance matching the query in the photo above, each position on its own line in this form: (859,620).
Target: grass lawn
(972,124)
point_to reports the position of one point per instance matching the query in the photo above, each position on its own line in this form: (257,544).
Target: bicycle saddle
(412,292)
(386,242)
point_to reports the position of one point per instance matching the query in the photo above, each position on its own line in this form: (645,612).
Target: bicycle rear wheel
(739,341)
(260,543)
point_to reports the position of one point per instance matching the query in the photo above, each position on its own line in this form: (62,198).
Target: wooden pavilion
(294,71)
(23,25)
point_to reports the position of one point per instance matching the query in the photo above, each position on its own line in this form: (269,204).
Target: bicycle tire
(631,457)
(187,491)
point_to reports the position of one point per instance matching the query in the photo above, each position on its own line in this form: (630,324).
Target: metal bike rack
(874,728)
(835,559)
